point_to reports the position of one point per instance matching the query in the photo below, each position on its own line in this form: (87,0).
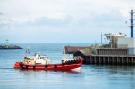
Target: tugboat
(38,62)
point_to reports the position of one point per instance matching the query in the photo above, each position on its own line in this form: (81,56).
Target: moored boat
(39,62)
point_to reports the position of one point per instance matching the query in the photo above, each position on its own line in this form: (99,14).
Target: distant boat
(9,46)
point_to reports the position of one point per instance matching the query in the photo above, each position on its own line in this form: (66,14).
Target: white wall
(126,42)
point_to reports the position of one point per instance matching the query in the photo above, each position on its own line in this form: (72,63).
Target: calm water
(90,77)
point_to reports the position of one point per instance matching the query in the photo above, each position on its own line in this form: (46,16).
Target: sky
(62,21)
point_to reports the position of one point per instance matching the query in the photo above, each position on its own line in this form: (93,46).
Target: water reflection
(120,77)
(114,69)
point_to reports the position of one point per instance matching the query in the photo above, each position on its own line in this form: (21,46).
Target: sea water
(90,77)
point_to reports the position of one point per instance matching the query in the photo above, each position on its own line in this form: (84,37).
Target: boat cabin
(37,59)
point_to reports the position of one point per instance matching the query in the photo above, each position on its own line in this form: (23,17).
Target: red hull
(67,66)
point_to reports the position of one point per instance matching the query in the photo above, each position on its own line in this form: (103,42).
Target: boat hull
(69,66)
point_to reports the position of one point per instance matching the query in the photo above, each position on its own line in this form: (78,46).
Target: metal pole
(101,38)
(132,24)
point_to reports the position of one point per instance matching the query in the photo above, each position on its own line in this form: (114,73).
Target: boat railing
(75,61)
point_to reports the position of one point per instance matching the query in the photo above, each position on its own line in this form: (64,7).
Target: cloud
(1,13)
(31,10)
(64,17)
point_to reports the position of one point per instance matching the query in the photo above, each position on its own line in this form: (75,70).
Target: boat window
(41,57)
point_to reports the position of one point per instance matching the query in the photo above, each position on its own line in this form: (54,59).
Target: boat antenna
(27,51)
(132,24)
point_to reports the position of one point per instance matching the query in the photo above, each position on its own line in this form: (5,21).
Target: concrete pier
(106,56)
(109,60)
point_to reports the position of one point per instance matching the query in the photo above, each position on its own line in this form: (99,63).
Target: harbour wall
(109,60)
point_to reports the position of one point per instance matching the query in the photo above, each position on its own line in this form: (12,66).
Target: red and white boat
(39,62)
